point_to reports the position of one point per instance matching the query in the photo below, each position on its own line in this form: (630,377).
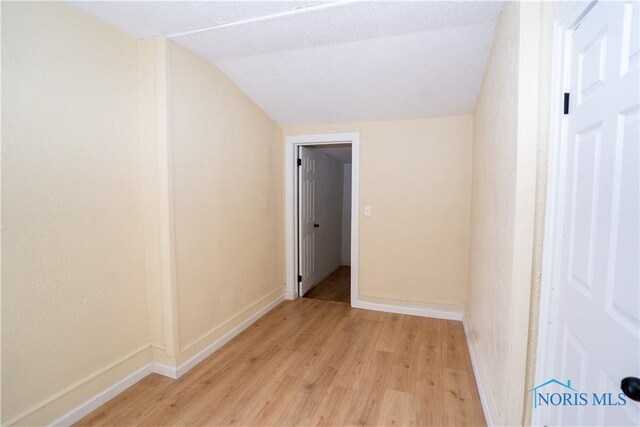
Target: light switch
(367,211)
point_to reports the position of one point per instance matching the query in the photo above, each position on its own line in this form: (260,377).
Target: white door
(307,223)
(595,274)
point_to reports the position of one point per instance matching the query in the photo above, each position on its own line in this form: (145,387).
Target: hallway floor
(313,362)
(335,287)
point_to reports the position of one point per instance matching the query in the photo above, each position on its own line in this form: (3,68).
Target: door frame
(567,18)
(291,144)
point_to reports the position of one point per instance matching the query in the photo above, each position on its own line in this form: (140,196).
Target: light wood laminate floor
(313,362)
(335,287)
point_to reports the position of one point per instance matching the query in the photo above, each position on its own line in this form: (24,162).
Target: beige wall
(416,176)
(503,212)
(73,280)
(492,210)
(142,207)
(228,200)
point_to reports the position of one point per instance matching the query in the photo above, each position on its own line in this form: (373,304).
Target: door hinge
(299,278)
(566,103)
(299,162)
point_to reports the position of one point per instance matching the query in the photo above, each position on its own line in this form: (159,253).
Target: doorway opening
(321,216)
(324,222)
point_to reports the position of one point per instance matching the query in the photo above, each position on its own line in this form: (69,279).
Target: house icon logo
(554,381)
(566,396)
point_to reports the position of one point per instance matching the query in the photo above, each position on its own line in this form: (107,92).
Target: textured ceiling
(330,62)
(162,18)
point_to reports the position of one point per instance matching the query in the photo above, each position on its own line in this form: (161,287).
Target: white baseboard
(154,367)
(476,371)
(289,296)
(103,397)
(414,309)
(215,345)
(171,372)
(166,370)
(51,408)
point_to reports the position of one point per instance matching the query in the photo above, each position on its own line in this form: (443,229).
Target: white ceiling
(340,152)
(330,62)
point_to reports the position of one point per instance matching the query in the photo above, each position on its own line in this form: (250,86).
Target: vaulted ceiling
(330,62)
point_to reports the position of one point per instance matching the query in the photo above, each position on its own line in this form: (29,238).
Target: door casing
(291,202)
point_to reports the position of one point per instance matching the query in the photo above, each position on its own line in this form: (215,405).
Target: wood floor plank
(475,396)
(459,406)
(306,400)
(403,375)
(396,409)
(366,404)
(454,347)
(332,409)
(354,360)
(388,339)
(314,362)
(335,287)
(427,398)
(377,368)
(271,403)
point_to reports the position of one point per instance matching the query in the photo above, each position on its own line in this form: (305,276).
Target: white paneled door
(307,219)
(595,274)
